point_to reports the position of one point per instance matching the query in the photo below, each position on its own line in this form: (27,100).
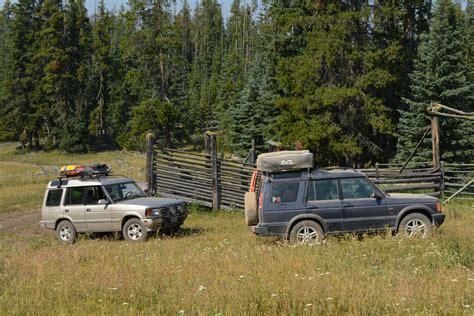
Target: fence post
(377,170)
(207,143)
(216,192)
(435,140)
(150,173)
(252,153)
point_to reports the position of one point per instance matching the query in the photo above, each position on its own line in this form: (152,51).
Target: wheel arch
(421,209)
(62,219)
(126,218)
(311,217)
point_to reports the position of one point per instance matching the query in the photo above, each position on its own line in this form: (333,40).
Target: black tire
(134,230)
(306,233)
(415,225)
(251,210)
(66,232)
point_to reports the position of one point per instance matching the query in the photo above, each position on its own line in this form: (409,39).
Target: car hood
(152,202)
(410,198)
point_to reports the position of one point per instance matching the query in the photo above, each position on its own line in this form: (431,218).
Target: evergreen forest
(349,80)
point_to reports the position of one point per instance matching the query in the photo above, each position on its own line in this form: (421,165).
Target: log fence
(212,181)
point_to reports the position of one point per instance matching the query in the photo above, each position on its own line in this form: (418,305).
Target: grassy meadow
(215,266)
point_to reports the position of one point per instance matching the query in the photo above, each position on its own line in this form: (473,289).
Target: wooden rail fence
(212,181)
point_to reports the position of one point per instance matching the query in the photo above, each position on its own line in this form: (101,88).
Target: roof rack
(85,170)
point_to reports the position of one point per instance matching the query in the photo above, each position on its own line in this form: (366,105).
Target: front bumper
(438,219)
(152,224)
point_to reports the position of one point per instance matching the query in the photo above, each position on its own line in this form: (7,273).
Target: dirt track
(18,222)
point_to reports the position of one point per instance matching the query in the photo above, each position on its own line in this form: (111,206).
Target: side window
(54,197)
(320,190)
(356,188)
(94,194)
(75,196)
(285,192)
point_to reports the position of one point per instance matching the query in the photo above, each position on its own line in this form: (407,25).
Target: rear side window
(285,192)
(75,196)
(54,197)
(321,190)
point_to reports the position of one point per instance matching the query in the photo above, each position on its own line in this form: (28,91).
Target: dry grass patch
(217,266)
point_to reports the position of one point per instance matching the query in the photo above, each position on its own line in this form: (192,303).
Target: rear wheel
(66,232)
(415,225)
(306,233)
(134,230)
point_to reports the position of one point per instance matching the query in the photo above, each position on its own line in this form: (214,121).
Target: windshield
(124,191)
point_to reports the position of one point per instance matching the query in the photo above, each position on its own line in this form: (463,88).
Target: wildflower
(201,288)
(329,299)
(124,303)
(309,305)
(454,280)
(181,311)
(113,288)
(274,295)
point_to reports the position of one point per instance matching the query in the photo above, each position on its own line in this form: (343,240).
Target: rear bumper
(438,219)
(260,230)
(42,225)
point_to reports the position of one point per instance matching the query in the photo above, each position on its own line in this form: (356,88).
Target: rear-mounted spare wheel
(251,211)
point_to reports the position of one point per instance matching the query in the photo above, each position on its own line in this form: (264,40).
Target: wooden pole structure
(150,173)
(216,192)
(435,141)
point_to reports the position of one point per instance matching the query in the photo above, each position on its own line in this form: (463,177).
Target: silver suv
(107,204)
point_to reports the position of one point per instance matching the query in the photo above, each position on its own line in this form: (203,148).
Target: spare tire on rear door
(251,211)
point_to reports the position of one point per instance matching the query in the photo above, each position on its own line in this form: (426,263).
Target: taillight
(148,212)
(260,200)
(439,207)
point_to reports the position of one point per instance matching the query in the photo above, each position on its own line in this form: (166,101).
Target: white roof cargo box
(285,160)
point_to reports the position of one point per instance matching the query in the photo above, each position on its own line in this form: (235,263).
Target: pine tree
(440,75)
(326,83)
(18,119)
(254,114)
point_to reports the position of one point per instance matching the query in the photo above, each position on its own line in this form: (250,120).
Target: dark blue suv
(305,206)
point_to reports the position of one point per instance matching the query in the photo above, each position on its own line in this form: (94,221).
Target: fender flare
(62,218)
(301,217)
(410,208)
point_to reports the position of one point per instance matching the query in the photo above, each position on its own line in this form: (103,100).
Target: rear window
(54,197)
(285,192)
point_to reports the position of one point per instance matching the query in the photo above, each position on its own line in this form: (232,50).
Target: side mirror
(103,202)
(377,195)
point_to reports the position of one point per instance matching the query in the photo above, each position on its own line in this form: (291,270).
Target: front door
(323,200)
(361,210)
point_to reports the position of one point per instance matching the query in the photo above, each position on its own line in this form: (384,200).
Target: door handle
(313,207)
(347,205)
(88,209)
(66,211)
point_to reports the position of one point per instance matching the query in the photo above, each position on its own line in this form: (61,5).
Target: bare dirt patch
(26,223)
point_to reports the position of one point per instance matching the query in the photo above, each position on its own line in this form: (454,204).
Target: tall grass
(216,266)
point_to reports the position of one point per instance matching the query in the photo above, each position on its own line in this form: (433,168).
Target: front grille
(164,212)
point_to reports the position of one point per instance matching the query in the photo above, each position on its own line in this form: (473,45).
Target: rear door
(74,207)
(284,200)
(323,200)
(361,210)
(98,217)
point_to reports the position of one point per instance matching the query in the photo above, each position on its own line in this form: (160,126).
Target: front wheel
(134,230)
(415,225)
(66,232)
(306,233)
